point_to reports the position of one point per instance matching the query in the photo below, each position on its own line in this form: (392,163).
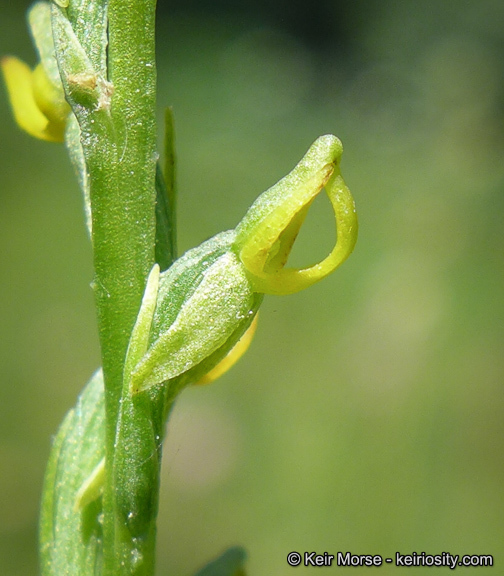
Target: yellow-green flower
(194,314)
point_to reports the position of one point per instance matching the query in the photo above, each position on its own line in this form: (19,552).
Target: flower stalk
(164,323)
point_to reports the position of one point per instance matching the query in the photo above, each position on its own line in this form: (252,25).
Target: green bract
(204,305)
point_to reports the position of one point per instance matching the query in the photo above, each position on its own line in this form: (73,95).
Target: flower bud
(205,303)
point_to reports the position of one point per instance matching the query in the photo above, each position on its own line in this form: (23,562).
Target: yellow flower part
(38,105)
(232,357)
(50,98)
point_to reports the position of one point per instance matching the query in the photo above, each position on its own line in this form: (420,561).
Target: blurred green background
(368,414)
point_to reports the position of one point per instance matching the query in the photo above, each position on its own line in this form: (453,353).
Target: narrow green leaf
(166,248)
(170,174)
(76,154)
(166,218)
(139,340)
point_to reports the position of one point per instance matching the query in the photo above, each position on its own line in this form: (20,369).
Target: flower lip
(265,236)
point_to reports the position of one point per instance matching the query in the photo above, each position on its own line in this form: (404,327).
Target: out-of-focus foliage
(368,414)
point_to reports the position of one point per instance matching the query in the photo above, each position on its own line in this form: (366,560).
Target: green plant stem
(123,192)
(123,199)
(114,103)
(124,237)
